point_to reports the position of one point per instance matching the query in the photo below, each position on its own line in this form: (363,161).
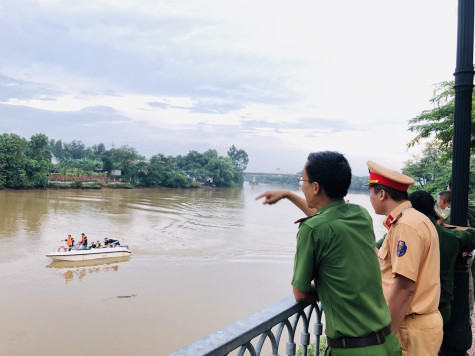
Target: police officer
(334,247)
(410,263)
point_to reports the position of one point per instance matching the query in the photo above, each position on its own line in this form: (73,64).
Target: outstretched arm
(466,236)
(273,196)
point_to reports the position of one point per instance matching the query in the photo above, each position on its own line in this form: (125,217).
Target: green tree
(76,149)
(38,162)
(13,161)
(193,160)
(38,148)
(239,157)
(98,150)
(153,173)
(106,159)
(125,158)
(176,179)
(430,171)
(439,121)
(161,171)
(224,173)
(56,147)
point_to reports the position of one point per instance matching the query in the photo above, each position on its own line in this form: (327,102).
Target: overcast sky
(277,78)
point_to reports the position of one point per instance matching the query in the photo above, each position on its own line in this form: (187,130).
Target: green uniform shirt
(451,243)
(471,214)
(336,248)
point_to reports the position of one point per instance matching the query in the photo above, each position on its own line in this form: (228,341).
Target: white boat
(62,253)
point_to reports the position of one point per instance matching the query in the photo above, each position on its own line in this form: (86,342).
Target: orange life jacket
(84,239)
(70,241)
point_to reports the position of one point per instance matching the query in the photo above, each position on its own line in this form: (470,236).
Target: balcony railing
(266,328)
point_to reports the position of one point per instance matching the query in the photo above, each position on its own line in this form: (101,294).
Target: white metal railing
(265,327)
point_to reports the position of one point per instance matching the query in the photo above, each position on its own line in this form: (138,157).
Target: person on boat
(83,240)
(70,242)
(93,244)
(111,242)
(98,244)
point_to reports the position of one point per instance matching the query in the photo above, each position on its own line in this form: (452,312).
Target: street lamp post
(457,332)
(462,113)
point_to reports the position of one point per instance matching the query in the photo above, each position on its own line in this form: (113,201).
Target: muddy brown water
(201,259)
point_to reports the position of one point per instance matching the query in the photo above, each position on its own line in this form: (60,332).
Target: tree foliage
(430,172)
(433,170)
(238,157)
(439,121)
(26,164)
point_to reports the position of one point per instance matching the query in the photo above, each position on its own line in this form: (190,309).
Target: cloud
(11,88)
(277,79)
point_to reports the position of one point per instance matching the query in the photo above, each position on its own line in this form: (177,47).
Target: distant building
(116,172)
(191,175)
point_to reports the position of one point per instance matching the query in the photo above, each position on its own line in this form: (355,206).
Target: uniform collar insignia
(388,222)
(391,221)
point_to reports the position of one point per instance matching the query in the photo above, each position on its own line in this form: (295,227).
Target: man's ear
(316,188)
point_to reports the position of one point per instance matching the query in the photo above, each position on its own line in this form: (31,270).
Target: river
(201,259)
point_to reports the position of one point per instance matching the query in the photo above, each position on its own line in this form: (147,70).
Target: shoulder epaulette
(305,218)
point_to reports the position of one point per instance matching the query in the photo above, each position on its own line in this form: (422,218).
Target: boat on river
(62,253)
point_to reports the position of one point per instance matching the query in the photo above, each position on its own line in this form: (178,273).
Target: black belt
(376,338)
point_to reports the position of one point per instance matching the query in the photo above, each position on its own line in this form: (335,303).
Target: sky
(278,79)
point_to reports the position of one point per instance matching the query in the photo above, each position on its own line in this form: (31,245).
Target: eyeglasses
(301,180)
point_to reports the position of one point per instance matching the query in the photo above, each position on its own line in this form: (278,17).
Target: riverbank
(111,185)
(88,185)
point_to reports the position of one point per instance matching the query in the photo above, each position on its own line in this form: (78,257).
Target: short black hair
(445,194)
(423,202)
(331,170)
(396,195)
